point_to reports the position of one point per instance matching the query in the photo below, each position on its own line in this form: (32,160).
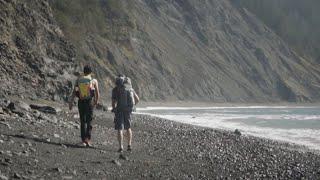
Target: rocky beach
(41,141)
(175,52)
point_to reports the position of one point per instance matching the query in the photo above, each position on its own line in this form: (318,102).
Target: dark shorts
(122,120)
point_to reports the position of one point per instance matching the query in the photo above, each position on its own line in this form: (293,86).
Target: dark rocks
(187,152)
(8,160)
(36,113)
(57,169)
(17,176)
(19,113)
(11,106)
(223,149)
(6,110)
(24,72)
(43,108)
(237,132)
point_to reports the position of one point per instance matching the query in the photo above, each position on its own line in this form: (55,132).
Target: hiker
(87,90)
(123,100)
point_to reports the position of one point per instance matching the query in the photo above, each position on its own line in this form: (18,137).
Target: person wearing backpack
(87,90)
(123,100)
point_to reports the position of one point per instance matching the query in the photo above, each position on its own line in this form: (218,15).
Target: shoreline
(246,145)
(286,144)
(143,104)
(303,145)
(39,145)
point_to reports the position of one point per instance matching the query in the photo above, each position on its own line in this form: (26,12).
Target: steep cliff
(187,50)
(295,21)
(36,60)
(209,50)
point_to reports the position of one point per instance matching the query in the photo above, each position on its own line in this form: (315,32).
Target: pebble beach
(38,145)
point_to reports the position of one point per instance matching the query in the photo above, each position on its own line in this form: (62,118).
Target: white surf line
(278,134)
(224,107)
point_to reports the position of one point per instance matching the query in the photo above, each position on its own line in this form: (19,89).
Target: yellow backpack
(85,87)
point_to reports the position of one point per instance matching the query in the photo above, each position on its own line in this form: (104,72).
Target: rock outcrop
(36,60)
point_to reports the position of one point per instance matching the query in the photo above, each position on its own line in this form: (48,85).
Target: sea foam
(293,124)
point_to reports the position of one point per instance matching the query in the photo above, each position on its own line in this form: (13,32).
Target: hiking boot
(83,144)
(129,148)
(89,144)
(120,150)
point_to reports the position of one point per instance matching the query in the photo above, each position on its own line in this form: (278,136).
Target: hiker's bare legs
(120,139)
(129,136)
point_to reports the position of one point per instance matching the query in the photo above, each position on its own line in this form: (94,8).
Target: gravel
(162,149)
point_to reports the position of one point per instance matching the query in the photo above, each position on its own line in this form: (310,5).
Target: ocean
(293,124)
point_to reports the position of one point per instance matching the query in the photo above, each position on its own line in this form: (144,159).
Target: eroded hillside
(208,50)
(36,60)
(295,21)
(173,50)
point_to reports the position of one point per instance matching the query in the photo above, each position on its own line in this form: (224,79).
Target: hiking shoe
(129,148)
(83,144)
(89,144)
(120,150)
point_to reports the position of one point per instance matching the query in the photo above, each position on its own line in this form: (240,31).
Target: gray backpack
(125,100)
